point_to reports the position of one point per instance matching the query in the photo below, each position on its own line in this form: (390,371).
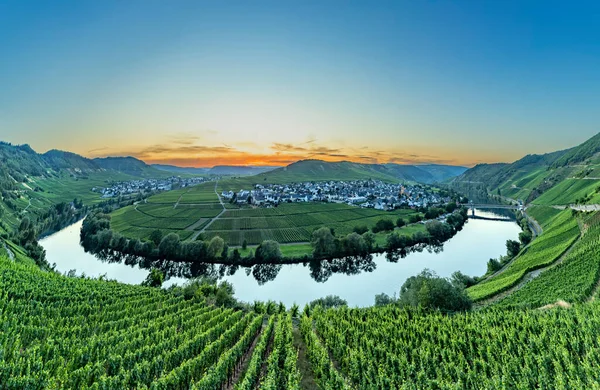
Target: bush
(430,291)
(360,229)
(383,225)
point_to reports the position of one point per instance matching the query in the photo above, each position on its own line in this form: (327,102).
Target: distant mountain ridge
(319,170)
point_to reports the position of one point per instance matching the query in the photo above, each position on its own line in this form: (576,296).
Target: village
(147,186)
(363,193)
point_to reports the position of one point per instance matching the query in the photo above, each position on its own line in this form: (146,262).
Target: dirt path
(196,224)
(308,380)
(195,236)
(242,365)
(579,207)
(10,253)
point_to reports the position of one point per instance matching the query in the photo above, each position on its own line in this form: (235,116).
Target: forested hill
(318,170)
(539,178)
(20,161)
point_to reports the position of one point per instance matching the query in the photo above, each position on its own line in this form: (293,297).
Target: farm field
(543,251)
(194,211)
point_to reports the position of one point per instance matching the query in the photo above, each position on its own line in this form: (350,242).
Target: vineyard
(74,333)
(393,348)
(556,239)
(573,280)
(187,211)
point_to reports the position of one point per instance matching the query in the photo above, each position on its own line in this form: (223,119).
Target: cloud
(183,151)
(184,139)
(94,151)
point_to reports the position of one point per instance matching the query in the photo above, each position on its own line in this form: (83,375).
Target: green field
(544,250)
(189,212)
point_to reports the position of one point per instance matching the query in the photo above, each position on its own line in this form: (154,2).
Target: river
(468,252)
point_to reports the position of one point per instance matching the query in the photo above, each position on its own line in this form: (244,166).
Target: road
(580,207)
(11,255)
(215,218)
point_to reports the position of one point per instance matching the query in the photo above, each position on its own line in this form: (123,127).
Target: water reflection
(467,252)
(319,270)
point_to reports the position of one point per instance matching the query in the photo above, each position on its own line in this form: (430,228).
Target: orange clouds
(183,152)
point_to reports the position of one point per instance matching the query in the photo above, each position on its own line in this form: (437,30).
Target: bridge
(497,206)
(492,206)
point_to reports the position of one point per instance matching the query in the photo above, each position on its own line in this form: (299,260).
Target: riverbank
(355,280)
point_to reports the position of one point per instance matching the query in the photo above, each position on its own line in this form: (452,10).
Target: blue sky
(201,83)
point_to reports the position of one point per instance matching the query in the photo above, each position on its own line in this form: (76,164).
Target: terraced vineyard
(573,280)
(73,333)
(556,239)
(568,192)
(188,211)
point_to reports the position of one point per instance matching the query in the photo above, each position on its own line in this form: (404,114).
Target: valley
(211,323)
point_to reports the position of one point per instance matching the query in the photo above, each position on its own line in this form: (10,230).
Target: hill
(318,170)
(526,178)
(128,165)
(58,159)
(587,152)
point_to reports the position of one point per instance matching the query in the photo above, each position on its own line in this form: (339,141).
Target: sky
(196,83)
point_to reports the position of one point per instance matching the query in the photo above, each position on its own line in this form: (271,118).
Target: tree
(383,225)
(25,224)
(438,231)
(525,237)
(400,222)
(154,279)
(398,241)
(493,265)
(415,218)
(512,248)
(169,246)
(360,229)
(369,240)
(215,247)
(460,279)
(329,302)
(323,243)
(269,252)
(156,237)
(383,299)
(433,292)
(244,244)
(355,244)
